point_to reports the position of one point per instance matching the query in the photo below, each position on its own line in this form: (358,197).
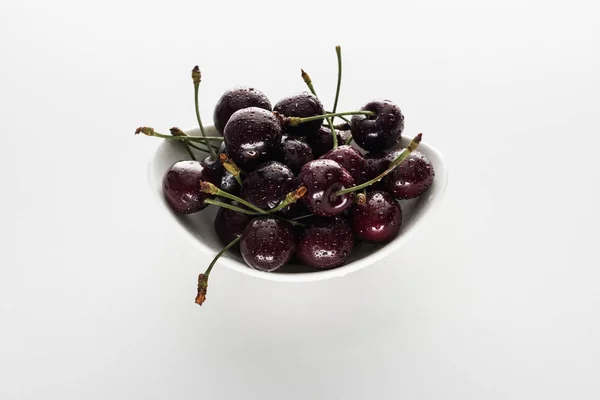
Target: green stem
(196,78)
(219,254)
(338,52)
(195,146)
(397,161)
(308,82)
(294,121)
(189,151)
(290,198)
(230,207)
(350,140)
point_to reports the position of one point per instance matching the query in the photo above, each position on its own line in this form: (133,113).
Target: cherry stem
(151,132)
(308,82)
(203,278)
(230,207)
(295,121)
(397,161)
(338,52)
(197,77)
(350,140)
(290,198)
(178,132)
(231,167)
(210,188)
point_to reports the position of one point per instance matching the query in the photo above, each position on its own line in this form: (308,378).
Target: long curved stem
(308,82)
(397,161)
(230,207)
(294,121)
(196,76)
(338,52)
(203,278)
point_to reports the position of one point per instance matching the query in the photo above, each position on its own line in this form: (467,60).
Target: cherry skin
(325,242)
(303,104)
(267,243)
(251,135)
(181,186)
(349,158)
(378,220)
(235,99)
(322,178)
(215,163)
(267,186)
(378,132)
(229,184)
(412,178)
(294,153)
(321,141)
(230,224)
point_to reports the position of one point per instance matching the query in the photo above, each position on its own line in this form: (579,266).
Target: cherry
(349,158)
(322,178)
(181,186)
(230,224)
(230,184)
(267,243)
(377,219)
(301,105)
(411,178)
(268,185)
(380,131)
(325,242)
(235,99)
(251,135)
(294,153)
(321,141)
(214,163)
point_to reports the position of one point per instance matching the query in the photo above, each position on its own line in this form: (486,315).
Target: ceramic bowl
(198,227)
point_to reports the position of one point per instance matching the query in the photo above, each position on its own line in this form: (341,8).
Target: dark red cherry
(349,158)
(412,178)
(381,131)
(251,135)
(303,104)
(267,186)
(378,220)
(181,186)
(230,224)
(267,243)
(236,99)
(321,141)
(229,184)
(294,153)
(322,178)
(325,242)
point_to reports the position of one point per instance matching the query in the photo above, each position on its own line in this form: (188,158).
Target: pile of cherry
(288,183)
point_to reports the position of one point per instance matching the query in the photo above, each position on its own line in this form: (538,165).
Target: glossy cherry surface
(303,104)
(267,186)
(322,178)
(267,243)
(349,158)
(235,99)
(230,224)
(321,140)
(378,132)
(294,153)
(181,186)
(251,136)
(411,178)
(325,242)
(378,220)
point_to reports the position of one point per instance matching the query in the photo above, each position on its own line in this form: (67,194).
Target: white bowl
(198,227)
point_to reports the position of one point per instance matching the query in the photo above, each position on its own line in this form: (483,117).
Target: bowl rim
(299,277)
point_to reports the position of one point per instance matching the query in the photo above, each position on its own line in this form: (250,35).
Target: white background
(496,297)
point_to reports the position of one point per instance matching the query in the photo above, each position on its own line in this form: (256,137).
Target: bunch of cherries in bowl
(287,180)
